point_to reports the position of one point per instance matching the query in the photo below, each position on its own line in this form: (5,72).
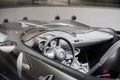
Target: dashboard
(77,39)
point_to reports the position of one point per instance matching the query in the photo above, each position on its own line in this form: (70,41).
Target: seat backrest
(109,61)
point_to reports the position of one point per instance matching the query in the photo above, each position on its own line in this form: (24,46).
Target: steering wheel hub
(60,54)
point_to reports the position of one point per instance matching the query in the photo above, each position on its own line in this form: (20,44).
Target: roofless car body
(58,50)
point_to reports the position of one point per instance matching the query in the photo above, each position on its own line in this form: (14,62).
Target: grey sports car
(58,50)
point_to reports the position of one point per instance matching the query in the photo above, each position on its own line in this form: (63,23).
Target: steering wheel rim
(66,40)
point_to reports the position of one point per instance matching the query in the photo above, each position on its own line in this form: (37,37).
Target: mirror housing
(7,46)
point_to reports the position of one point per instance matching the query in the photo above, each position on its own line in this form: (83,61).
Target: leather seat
(109,64)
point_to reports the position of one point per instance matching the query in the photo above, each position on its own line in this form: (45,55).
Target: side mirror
(7,46)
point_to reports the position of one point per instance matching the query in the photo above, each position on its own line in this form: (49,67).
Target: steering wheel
(57,52)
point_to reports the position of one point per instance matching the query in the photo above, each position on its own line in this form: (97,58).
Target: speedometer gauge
(53,43)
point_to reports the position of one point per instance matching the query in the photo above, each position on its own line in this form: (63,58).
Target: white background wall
(93,16)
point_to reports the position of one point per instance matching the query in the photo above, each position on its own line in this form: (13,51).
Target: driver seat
(109,65)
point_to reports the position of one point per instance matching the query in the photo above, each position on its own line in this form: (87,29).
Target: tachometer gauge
(53,43)
(41,45)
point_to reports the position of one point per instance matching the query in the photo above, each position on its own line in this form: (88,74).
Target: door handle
(19,64)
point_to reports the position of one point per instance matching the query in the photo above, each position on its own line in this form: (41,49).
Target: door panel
(40,69)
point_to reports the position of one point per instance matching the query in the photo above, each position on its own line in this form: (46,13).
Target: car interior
(96,60)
